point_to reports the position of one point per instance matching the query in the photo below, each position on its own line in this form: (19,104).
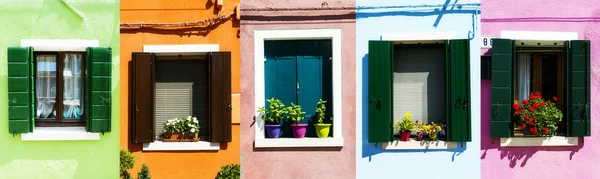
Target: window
(486,67)
(59,89)
(558,69)
(170,86)
(299,72)
(431,80)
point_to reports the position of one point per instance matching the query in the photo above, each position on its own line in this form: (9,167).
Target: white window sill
(59,133)
(163,146)
(418,145)
(539,141)
(298,142)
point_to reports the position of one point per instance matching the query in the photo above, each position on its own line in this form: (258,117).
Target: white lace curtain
(524,76)
(46,86)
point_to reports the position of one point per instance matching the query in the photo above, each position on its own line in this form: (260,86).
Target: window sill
(302,142)
(418,145)
(59,133)
(539,141)
(162,146)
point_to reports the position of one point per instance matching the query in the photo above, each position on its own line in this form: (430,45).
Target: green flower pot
(322,130)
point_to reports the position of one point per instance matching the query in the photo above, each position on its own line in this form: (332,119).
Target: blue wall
(373,20)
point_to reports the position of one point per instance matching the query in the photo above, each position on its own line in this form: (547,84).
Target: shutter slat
(20,90)
(220,96)
(502,100)
(458,116)
(380,91)
(578,115)
(143,97)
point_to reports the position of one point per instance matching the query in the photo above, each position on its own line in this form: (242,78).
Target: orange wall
(184,164)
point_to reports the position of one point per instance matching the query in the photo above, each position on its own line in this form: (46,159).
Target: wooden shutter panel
(143,97)
(502,99)
(98,89)
(220,97)
(578,88)
(458,97)
(20,90)
(380,91)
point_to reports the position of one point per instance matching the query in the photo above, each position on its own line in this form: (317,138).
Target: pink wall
(307,162)
(542,162)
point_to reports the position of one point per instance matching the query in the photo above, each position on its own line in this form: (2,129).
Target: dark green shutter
(98,89)
(380,91)
(458,108)
(502,100)
(578,88)
(20,90)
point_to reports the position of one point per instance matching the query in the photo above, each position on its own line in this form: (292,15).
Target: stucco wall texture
(302,163)
(180,164)
(51,19)
(581,16)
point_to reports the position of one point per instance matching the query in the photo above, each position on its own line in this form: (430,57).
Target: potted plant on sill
(431,131)
(404,127)
(192,128)
(295,114)
(321,128)
(272,116)
(538,117)
(172,130)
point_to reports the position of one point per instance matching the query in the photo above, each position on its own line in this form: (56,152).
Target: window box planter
(179,137)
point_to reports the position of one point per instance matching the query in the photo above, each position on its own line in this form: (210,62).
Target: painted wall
(441,16)
(54,20)
(581,16)
(185,164)
(295,162)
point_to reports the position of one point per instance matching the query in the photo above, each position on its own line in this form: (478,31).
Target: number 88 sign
(486,41)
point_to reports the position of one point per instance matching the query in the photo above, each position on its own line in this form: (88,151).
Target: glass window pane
(73,87)
(45,86)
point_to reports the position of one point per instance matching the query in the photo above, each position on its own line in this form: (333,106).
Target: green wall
(53,19)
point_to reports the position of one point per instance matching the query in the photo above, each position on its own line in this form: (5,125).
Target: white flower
(193,130)
(195,120)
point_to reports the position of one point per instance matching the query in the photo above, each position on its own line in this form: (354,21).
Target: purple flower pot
(299,130)
(273,130)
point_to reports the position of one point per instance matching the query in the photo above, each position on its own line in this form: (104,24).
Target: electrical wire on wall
(201,23)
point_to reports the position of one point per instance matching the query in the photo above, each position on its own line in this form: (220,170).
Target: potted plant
(172,130)
(404,127)
(295,114)
(538,117)
(191,128)
(432,131)
(272,116)
(321,128)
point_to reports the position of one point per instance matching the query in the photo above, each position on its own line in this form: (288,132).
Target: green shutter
(502,59)
(20,90)
(458,91)
(380,91)
(98,89)
(578,88)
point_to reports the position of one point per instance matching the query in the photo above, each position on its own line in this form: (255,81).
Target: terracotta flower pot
(175,136)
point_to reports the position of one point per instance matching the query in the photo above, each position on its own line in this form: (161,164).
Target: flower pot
(299,130)
(176,136)
(405,136)
(322,130)
(167,135)
(273,130)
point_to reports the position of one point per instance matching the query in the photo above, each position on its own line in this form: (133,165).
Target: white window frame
(543,38)
(260,36)
(181,49)
(59,133)
(415,38)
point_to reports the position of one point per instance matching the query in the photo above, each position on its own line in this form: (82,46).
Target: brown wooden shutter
(143,78)
(220,97)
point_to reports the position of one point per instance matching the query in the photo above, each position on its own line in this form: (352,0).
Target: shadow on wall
(514,155)
(440,12)
(71,16)
(370,149)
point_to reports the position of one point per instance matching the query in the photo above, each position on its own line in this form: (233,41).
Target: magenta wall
(306,162)
(582,16)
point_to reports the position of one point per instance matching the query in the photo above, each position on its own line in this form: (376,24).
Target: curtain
(524,76)
(73,85)
(45,86)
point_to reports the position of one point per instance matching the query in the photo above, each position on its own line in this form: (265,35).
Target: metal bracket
(493,140)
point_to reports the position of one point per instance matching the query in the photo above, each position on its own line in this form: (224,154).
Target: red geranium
(545,130)
(555,98)
(525,102)
(535,112)
(534,118)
